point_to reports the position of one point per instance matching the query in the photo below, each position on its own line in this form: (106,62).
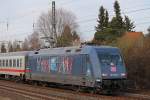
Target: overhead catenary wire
(94,19)
(86,31)
(33,11)
(137,10)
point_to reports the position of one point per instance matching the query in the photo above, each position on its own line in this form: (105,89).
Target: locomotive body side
(100,67)
(71,69)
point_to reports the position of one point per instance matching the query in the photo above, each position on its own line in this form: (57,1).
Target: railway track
(33,95)
(144,97)
(46,93)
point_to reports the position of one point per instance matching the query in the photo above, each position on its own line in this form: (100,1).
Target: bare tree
(34,41)
(3,48)
(63,18)
(16,46)
(67,38)
(25,45)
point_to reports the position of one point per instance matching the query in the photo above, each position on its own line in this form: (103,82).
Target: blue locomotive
(97,67)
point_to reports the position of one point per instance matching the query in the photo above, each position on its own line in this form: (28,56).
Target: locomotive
(96,67)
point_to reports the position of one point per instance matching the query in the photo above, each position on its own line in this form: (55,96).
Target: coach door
(27,68)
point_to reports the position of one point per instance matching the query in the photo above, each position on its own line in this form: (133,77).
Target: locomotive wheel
(106,92)
(35,83)
(92,90)
(78,89)
(44,84)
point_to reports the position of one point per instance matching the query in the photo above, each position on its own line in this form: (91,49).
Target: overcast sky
(20,15)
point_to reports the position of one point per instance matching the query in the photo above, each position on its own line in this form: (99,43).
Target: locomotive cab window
(108,58)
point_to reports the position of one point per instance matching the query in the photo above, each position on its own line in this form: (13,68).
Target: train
(94,67)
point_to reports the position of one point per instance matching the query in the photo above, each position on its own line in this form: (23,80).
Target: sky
(21,14)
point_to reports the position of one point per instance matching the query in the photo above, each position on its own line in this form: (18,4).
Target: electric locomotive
(94,67)
(99,67)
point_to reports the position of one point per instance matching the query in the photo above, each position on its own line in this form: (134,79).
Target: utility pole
(33,25)
(54,24)
(7,24)
(52,39)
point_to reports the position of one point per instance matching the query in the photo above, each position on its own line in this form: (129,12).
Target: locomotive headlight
(104,75)
(123,74)
(98,80)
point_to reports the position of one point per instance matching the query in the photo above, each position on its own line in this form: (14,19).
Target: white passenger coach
(13,63)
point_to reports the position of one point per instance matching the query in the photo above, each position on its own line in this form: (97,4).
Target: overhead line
(25,33)
(133,11)
(92,19)
(127,12)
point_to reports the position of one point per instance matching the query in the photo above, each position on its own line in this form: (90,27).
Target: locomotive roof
(60,50)
(72,50)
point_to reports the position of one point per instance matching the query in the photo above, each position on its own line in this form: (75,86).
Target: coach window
(17,62)
(10,63)
(20,62)
(3,63)
(6,63)
(14,63)
(0,63)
